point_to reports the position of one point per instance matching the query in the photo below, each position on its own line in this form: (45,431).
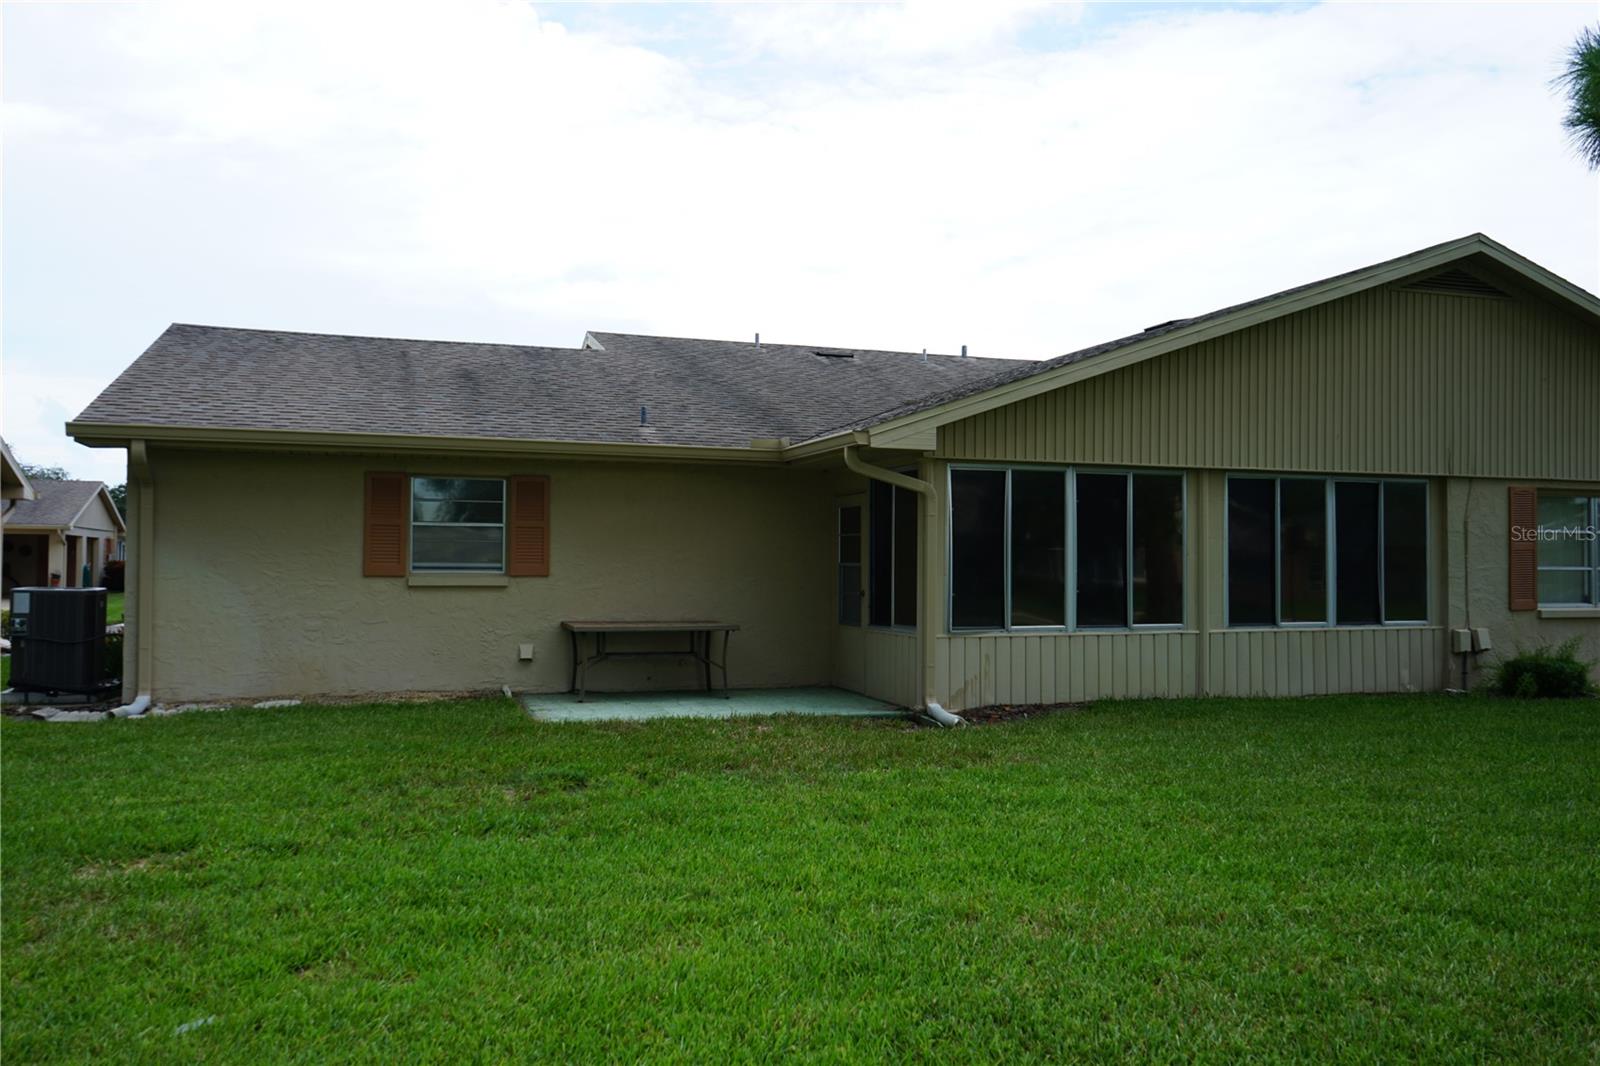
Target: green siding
(1388,381)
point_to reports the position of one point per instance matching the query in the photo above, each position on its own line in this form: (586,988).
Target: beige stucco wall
(1478,574)
(258,588)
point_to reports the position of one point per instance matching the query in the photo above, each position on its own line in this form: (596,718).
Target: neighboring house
(55,532)
(1311,492)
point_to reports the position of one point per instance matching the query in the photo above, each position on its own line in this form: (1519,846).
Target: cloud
(1019,179)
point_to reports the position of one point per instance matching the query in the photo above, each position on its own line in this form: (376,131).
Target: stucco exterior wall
(258,591)
(1479,572)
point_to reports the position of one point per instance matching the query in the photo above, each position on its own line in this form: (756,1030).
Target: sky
(1020,178)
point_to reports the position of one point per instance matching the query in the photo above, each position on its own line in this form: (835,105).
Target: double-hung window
(1568,550)
(1326,551)
(1052,548)
(458,523)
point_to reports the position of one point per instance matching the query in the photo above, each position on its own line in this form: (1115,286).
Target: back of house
(1374,482)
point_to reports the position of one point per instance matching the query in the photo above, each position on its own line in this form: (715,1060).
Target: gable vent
(1456,283)
(833,355)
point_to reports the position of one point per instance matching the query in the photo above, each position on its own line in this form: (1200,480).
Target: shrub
(114,575)
(1546,672)
(111,661)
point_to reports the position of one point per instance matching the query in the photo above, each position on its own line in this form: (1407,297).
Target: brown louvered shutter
(1523,509)
(383,536)
(528,525)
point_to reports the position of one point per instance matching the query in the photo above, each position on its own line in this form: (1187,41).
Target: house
(55,532)
(1329,489)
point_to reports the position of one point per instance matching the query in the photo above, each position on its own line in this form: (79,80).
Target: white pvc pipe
(140,704)
(942,716)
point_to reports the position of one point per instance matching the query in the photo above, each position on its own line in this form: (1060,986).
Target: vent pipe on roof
(963,351)
(644,416)
(924,355)
(758,342)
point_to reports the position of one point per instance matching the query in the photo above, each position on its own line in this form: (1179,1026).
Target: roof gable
(58,505)
(1475,255)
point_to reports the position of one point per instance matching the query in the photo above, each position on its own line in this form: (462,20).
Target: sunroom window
(1321,551)
(1054,548)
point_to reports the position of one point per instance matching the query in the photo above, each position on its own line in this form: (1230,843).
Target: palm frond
(1580,77)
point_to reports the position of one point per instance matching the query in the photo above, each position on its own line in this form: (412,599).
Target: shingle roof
(54,503)
(698,392)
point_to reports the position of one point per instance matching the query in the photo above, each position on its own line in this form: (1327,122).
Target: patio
(740,703)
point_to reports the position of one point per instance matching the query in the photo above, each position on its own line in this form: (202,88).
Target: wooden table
(699,631)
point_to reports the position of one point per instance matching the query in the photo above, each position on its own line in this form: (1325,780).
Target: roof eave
(119,435)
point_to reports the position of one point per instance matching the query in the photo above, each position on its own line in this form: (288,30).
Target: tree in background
(119,496)
(1581,79)
(45,473)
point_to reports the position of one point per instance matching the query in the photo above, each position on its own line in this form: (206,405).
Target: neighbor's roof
(697,392)
(11,472)
(56,504)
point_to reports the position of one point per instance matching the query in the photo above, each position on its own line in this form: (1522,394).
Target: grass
(114,602)
(1352,878)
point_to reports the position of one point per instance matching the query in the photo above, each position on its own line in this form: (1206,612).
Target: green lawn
(114,607)
(1373,879)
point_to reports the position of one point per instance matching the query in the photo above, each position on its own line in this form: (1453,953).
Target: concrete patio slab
(638,706)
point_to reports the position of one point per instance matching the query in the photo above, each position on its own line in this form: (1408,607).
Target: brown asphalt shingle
(698,392)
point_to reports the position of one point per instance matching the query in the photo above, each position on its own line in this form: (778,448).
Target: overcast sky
(1022,179)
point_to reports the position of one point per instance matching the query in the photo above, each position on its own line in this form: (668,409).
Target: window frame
(1331,548)
(411,525)
(1070,475)
(1592,568)
(860,564)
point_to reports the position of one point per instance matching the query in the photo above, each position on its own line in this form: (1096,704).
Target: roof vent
(833,355)
(1456,282)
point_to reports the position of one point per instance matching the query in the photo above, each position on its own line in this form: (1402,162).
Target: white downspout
(141,531)
(856,464)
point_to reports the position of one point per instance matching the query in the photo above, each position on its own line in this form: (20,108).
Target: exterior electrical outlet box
(1480,639)
(58,639)
(1460,641)
(525,652)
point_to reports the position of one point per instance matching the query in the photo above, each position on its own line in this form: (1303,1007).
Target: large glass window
(1405,551)
(1355,505)
(978,549)
(1038,547)
(1157,549)
(1102,532)
(1568,551)
(1303,550)
(1011,538)
(458,523)
(1283,539)
(892,555)
(1252,557)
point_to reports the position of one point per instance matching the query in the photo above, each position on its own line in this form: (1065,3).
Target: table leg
(727,634)
(705,641)
(573,687)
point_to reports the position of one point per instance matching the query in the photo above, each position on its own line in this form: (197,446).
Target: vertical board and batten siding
(1388,381)
(891,666)
(976,671)
(984,669)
